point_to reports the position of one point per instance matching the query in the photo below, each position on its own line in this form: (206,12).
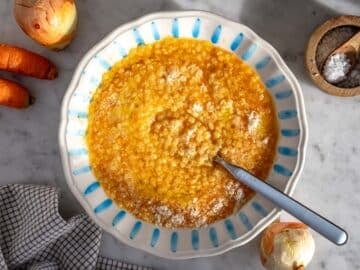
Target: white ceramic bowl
(223,235)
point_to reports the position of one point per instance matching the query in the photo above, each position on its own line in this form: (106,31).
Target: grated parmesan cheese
(253,121)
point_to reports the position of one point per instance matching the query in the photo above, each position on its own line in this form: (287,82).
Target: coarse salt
(336,68)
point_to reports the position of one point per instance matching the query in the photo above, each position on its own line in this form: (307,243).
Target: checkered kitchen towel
(34,236)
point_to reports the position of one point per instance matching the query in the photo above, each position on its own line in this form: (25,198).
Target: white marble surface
(330,183)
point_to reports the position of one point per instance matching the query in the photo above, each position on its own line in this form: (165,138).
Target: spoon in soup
(320,224)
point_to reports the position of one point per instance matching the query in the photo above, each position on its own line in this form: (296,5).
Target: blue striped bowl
(223,235)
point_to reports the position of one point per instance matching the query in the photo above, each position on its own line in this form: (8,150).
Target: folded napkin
(34,236)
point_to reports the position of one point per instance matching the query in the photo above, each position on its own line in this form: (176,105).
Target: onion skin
(51,23)
(286,246)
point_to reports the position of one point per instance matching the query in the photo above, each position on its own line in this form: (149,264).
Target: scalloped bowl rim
(264,222)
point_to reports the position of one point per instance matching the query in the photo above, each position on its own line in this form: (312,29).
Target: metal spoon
(320,224)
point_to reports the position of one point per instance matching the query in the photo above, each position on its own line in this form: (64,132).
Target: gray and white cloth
(34,236)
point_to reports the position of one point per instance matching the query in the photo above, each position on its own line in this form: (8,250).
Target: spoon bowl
(350,51)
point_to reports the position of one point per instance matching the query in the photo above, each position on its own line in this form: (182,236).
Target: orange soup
(159,117)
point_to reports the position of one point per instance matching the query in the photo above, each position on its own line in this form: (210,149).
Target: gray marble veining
(330,182)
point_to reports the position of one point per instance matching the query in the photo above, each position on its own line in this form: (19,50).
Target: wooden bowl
(311,50)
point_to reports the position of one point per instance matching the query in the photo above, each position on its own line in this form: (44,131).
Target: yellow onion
(51,23)
(286,246)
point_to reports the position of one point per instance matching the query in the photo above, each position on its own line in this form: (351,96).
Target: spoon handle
(354,41)
(320,224)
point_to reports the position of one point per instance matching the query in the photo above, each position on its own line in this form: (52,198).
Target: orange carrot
(14,95)
(22,61)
